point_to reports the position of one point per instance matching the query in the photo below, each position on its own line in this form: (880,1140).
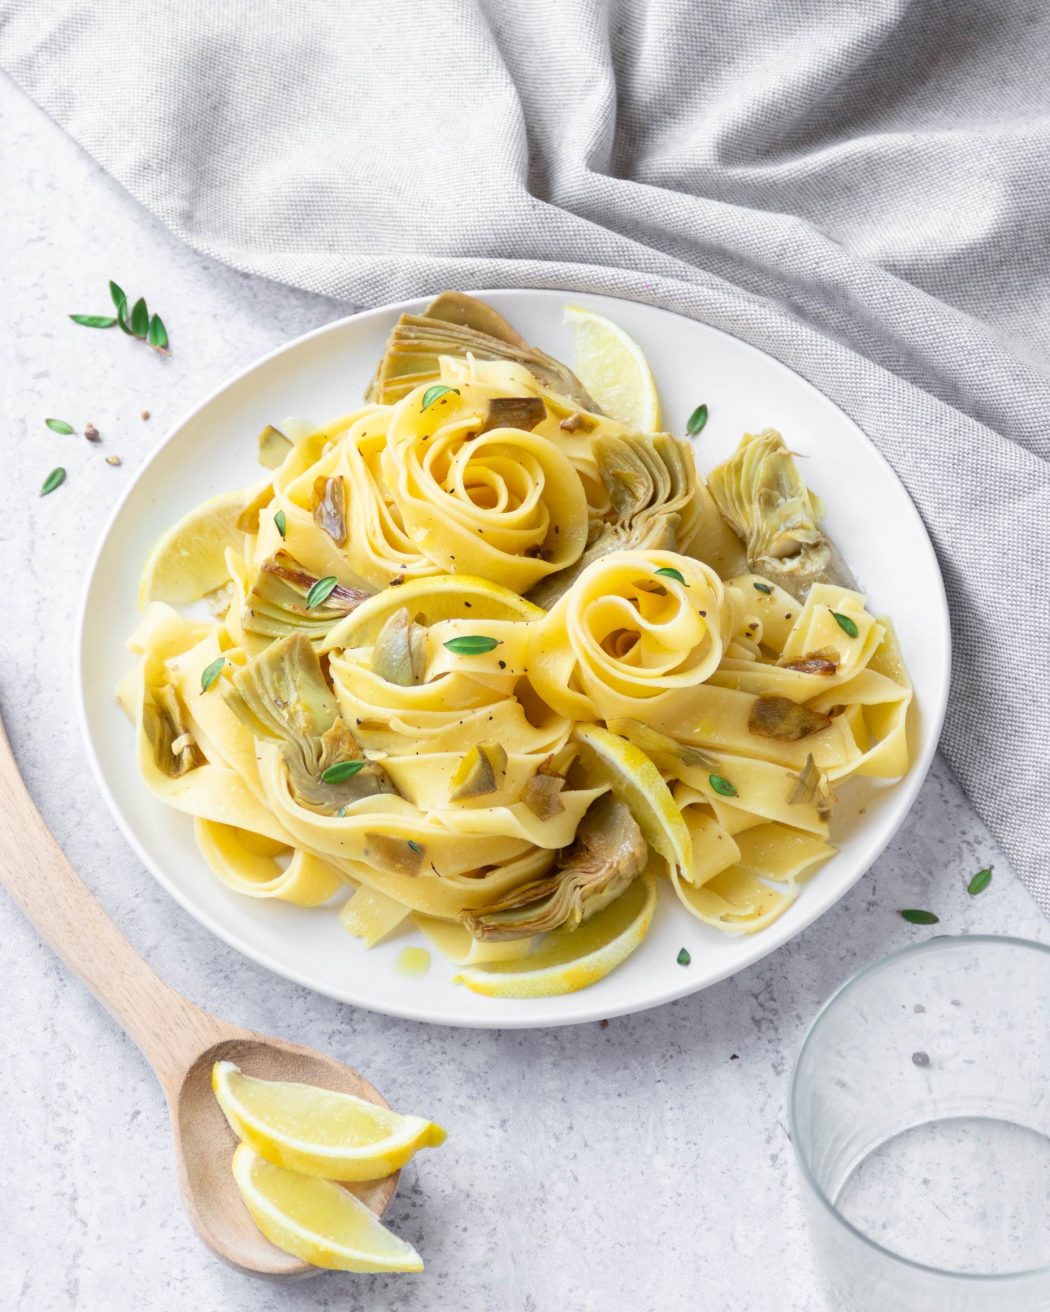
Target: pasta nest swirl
(504,503)
(625,639)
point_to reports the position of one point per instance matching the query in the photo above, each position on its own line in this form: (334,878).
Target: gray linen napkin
(862,190)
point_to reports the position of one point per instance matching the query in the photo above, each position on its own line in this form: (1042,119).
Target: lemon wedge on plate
(317,1132)
(613,368)
(317,1220)
(190,558)
(637,782)
(439,597)
(572,959)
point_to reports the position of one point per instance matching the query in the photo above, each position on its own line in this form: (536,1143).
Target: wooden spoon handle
(169,1030)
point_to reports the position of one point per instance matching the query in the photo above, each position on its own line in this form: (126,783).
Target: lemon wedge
(440,597)
(316,1220)
(317,1132)
(637,782)
(613,368)
(190,558)
(571,960)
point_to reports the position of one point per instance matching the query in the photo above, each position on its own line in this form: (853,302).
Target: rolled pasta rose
(505,504)
(625,639)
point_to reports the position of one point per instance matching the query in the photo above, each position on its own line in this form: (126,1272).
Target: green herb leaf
(59,426)
(683,957)
(55,479)
(211,672)
(139,322)
(94,320)
(762,587)
(979,882)
(668,573)
(848,626)
(697,420)
(415,846)
(321,591)
(474,644)
(341,771)
(721,785)
(438,390)
(118,296)
(157,334)
(914,917)
(281,520)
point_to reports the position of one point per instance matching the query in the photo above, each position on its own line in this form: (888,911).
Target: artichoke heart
(523,412)
(650,481)
(399,654)
(273,447)
(458,325)
(166,725)
(762,496)
(780,717)
(276,603)
(281,696)
(811,787)
(329,507)
(608,854)
(542,794)
(482,771)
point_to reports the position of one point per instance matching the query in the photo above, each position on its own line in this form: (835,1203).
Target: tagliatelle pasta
(485,659)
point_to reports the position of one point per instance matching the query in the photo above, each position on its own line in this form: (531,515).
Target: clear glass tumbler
(920,1117)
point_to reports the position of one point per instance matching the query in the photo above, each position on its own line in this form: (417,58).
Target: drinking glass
(920,1118)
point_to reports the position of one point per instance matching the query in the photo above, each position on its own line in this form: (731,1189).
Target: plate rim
(770,939)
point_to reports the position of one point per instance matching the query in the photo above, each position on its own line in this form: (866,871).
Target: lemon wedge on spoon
(317,1220)
(613,368)
(317,1132)
(572,959)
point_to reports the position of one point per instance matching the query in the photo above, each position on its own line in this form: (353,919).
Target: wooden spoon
(178,1039)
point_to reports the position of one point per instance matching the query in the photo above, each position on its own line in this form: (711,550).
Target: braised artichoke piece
(167,728)
(281,696)
(812,664)
(483,770)
(273,447)
(248,520)
(459,325)
(523,412)
(780,717)
(388,852)
(277,601)
(542,794)
(399,654)
(650,481)
(811,787)
(763,498)
(608,854)
(329,507)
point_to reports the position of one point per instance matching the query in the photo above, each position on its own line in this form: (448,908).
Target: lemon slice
(316,1220)
(440,597)
(573,959)
(317,1132)
(614,370)
(190,558)
(637,782)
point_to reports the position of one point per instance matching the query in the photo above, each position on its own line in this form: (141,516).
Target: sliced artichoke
(523,412)
(459,325)
(763,498)
(780,717)
(811,787)
(483,770)
(329,507)
(401,855)
(167,727)
(281,695)
(650,481)
(273,447)
(276,603)
(609,853)
(399,654)
(542,794)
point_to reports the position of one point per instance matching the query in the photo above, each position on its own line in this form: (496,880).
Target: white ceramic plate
(323,375)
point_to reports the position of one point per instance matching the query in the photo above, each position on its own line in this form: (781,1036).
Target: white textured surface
(634,1167)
